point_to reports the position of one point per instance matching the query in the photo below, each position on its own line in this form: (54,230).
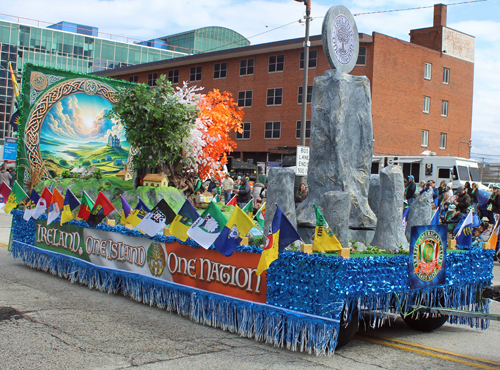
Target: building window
(277,63)
(427,104)
(446,76)
(245,135)
(152,77)
(173,76)
(274,96)
(133,79)
(425,138)
(246,67)
(313,59)
(273,130)
(442,143)
(361,56)
(220,70)
(309,94)
(245,98)
(195,74)
(444,109)
(308,129)
(428,71)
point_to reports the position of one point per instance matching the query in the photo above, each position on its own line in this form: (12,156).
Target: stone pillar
(374,193)
(389,233)
(341,146)
(420,212)
(335,205)
(280,183)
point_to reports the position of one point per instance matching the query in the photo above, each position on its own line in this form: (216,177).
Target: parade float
(301,301)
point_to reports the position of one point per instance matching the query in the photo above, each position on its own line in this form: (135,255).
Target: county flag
(5,192)
(238,225)
(15,197)
(324,240)
(42,204)
(248,208)
(56,205)
(30,206)
(70,204)
(208,227)
(87,205)
(406,212)
(435,218)
(493,240)
(102,208)
(15,85)
(126,210)
(157,219)
(183,221)
(216,199)
(232,202)
(138,214)
(464,235)
(261,215)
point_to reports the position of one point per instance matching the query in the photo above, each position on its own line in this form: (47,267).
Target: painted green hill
(115,153)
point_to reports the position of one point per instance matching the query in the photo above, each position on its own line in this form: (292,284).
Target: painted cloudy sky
(258,20)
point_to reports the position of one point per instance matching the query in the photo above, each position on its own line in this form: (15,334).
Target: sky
(261,21)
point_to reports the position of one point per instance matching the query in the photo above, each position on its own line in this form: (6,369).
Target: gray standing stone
(420,212)
(335,205)
(389,233)
(280,183)
(374,193)
(341,146)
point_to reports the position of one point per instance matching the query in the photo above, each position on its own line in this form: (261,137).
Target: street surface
(48,323)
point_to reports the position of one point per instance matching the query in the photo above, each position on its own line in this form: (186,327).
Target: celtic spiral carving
(90,87)
(38,81)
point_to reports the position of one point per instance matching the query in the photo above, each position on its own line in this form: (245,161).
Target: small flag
(232,202)
(55,206)
(183,221)
(261,215)
(238,225)
(405,217)
(248,208)
(464,235)
(281,234)
(14,120)
(86,206)
(216,198)
(14,80)
(157,219)
(5,191)
(198,186)
(42,204)
(30,206)
(208,227)
(137,215)
(102,208)
(70,204)
(493,240)
(15,197)
(435,218)
(125,210)
(324,240)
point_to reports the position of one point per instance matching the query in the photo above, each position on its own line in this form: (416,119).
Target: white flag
(53,213)
(40,208)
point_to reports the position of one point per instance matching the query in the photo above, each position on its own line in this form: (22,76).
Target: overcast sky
(155,18)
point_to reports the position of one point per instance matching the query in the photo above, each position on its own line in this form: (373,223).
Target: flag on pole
(281,234)
(138,214)
(86,206)
(216,199)
(406,212)
(208,227)
(102,208)
(324,240)
(183,221)
(5,192)
(30,206)
(157,219)
(56,205)
(232,202)
(15,197)
(70,204)
(126,210)
(238,225)
(261,215)
(464,235)
(42,204)
(248,208)
(435,218)
(14,119)
(15,85)
(493,240)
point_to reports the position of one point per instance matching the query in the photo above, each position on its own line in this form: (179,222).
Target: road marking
(430,351)
(3,245)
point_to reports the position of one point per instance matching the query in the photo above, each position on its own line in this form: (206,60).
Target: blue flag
(288,233)
(405,217)
(183,221)
(464,235)
(238,225)
(435,218)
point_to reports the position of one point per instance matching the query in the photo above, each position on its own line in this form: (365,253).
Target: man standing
(227,188)
(4,175)
(410,190)
(262,178)
(463,200)
(243,193)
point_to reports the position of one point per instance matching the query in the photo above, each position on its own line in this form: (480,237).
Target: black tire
(347,333)
(425,324)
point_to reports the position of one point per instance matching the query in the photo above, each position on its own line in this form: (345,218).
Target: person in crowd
(243,193)
(474,195)
(477,242)
(263,193)
(301,194)
(211,185)
(262,178)
(452,217)
(449,189)
(5,176)
(494,204)
(256,190)
(443,208)
(441,191)
(217,190)
(486,229)
(410,190)
(467,187)
(227,187)
(462,201)
(236,184)
(13,175)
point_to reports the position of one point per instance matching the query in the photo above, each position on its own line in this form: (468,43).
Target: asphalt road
(48,323)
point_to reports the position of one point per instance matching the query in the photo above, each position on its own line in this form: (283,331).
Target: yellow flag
(324,240)
(270,252)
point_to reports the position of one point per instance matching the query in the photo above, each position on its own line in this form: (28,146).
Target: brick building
(421,90)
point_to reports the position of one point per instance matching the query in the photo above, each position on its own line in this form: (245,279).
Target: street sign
(302,163)
(10,149)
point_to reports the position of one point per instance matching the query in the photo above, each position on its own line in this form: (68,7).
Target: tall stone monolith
(374,193)
(280,182)
(389,233)
(420,212)
(341,146)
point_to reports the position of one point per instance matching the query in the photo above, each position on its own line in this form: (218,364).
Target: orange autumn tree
(219,114)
